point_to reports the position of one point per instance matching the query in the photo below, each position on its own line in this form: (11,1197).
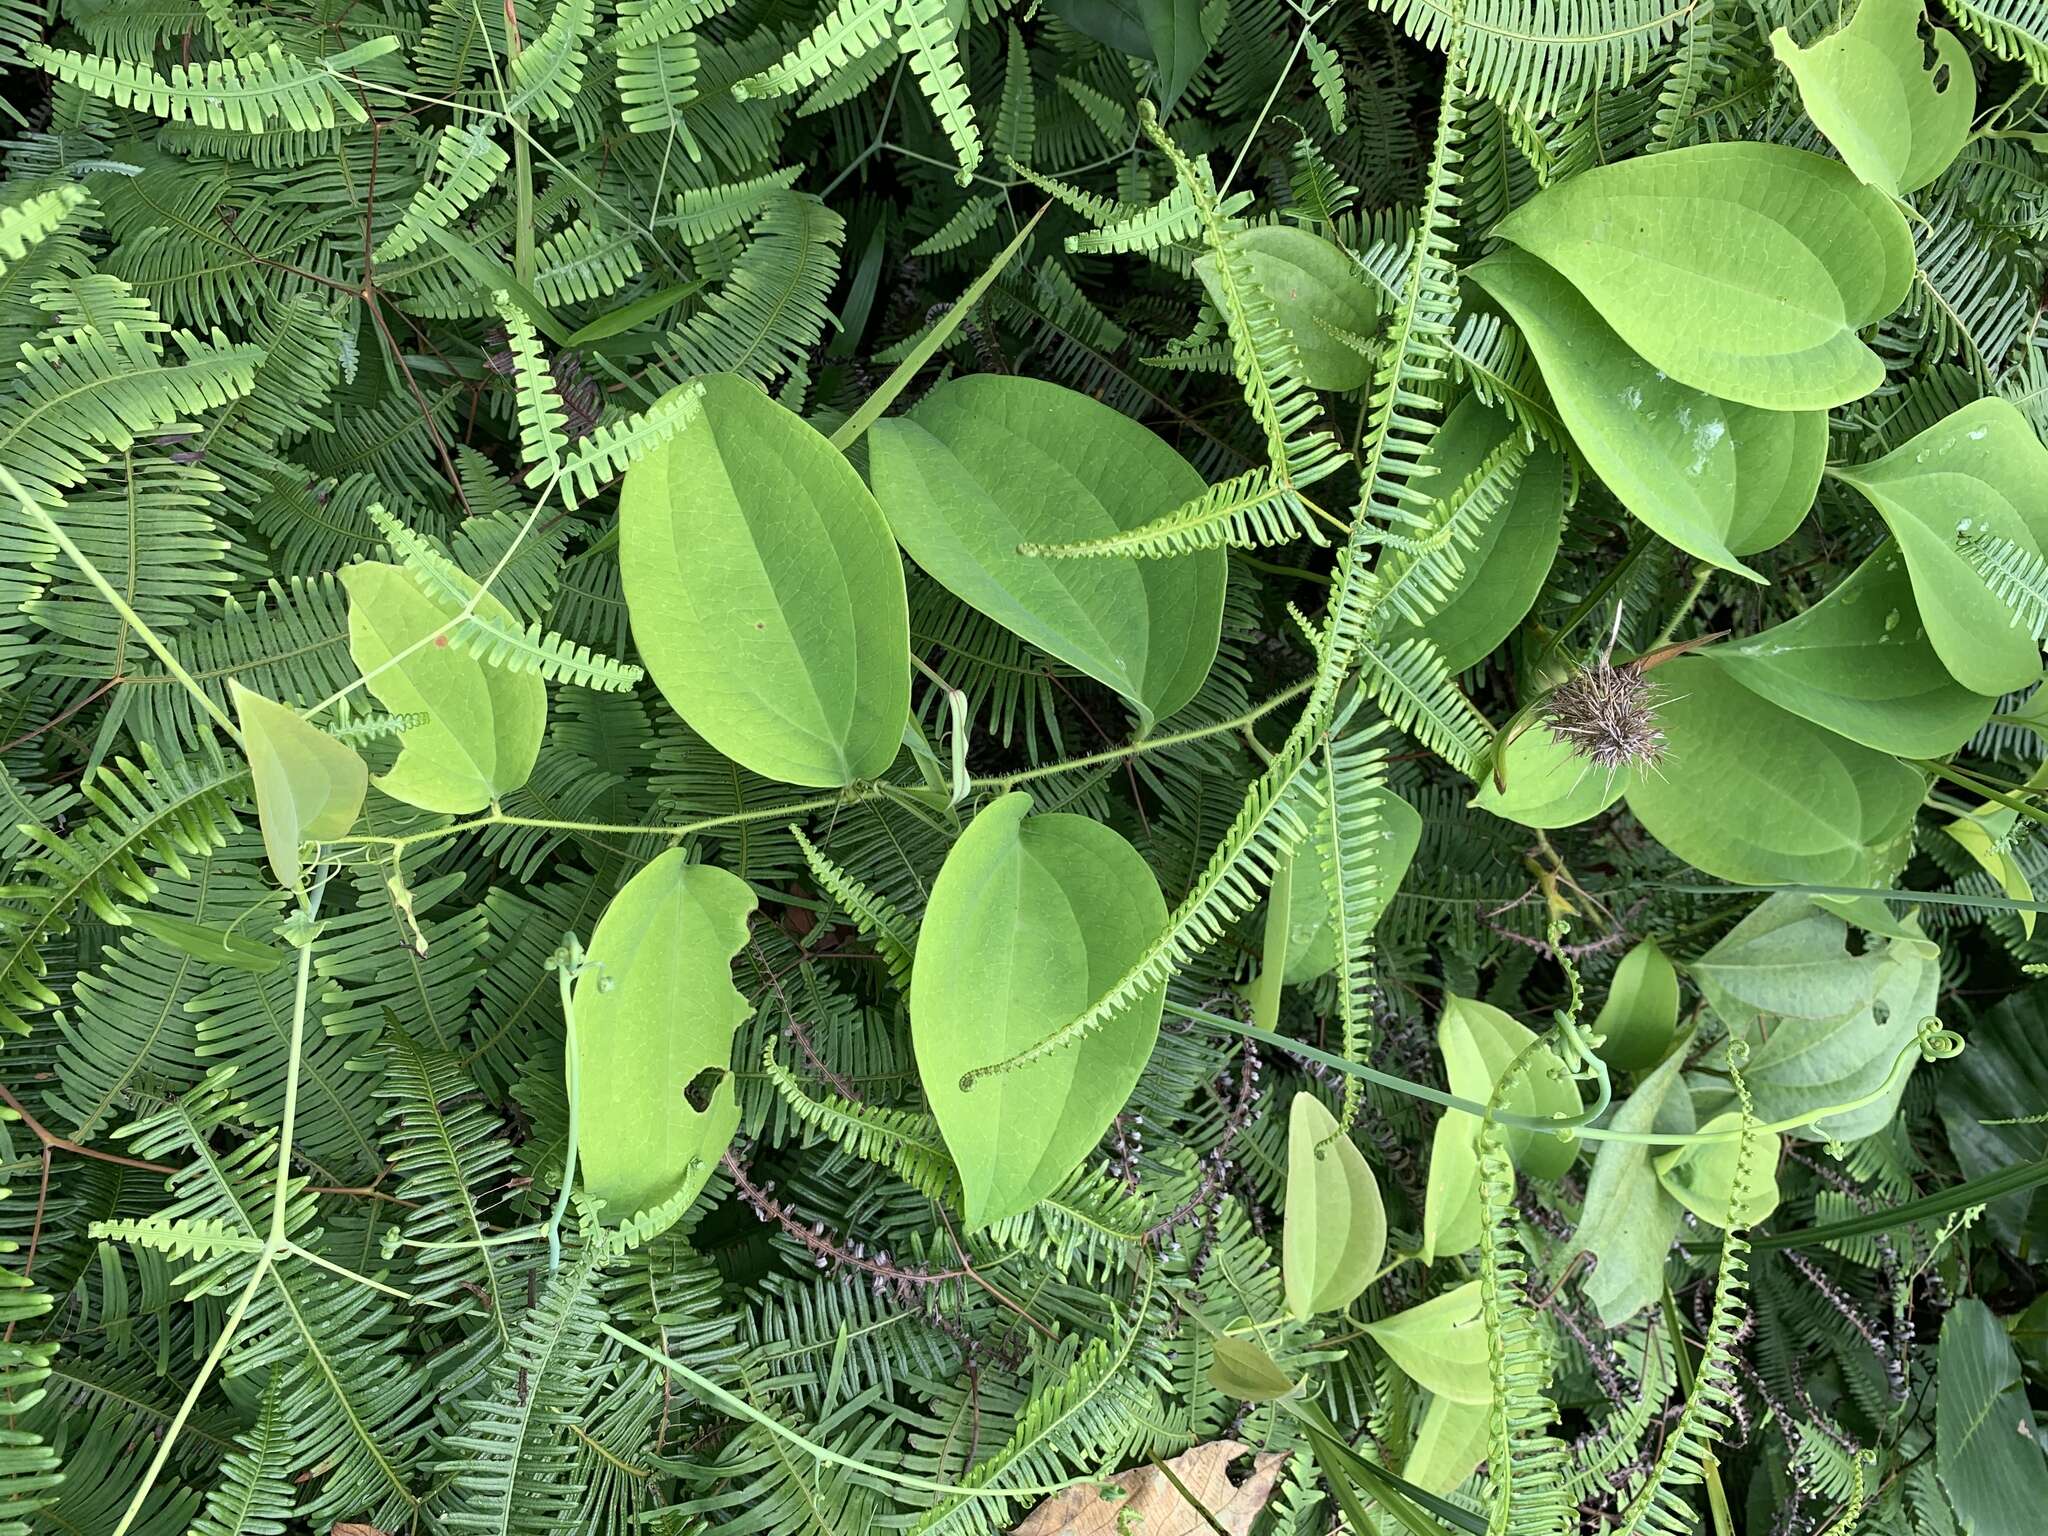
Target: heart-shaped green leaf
(1336,1228)
(655,1015)
(1640,1014)
(1702,1176)
(1752,793)
(1717,479)
(1897,119)
(482,725)
(766,594)
(1859,662)
(1744,270)
(1478,1042)
(1629,1219)
(1031,919)
(988,463)
(1319,295)
(1979,470)
(1440,1345)
(309,787)
(1547,783)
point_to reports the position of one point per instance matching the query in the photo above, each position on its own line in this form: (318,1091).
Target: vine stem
(572,955)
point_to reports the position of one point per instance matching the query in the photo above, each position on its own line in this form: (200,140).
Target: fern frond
(608,452)
(543,423)
(548,72)
(904,1142)
(1409,681)
(1354,775)
(1256,508)
(703,214)
(244,95)
(1546,59)
(2016,575)
(468,163)
(1421,568)
(850,29)
(890,932)
(930,40)
(33,219)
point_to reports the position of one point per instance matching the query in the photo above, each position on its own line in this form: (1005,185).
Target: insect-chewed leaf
(1860,662)
(1744,270)
(1336,1228)
(655,1015)
(1031,919)
(1980,470)
(988,463)
(309,787)
(482,726)
(1441,1345)
(766,594)
(1319,295)
(1640,1016)
(1751,793)
(1478,1042)
(1897,118)
(1718,479)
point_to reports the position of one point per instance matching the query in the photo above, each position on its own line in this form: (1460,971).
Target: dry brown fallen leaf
(1151,1506)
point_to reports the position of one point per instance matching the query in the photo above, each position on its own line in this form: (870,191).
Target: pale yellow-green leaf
(1335,1230)
(309,787)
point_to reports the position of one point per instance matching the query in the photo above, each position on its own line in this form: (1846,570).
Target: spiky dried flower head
(1608,715)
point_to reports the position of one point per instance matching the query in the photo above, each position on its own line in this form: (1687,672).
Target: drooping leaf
(1440,1345)
(1860,663)
(1319,295)
(1743,270)
(1639,1015)
(1985,1439)
(482,725)
(1031,919)
(1478,1042)
(1630,1220)
(1980,470)
(309,787)
(655,1014)
(1335,1229)
(1718,479)
(1897,118)
(1450,1443)
(1243,1370)
(1754,794)
(987,463)
(766,596)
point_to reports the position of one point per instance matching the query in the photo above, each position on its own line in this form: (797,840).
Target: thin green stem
(571,954)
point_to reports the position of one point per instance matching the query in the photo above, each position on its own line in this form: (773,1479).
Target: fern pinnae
(892,933)
(1254,509)
(1354,775)
(1419,570)
(903,1141)
(2016,575)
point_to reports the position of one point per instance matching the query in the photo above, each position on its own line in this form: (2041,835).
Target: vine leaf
(1703,1176)
(1978,471)
(1640,1015)
(766,595)
(1031,919)
(480,728)
(1335,1232)
(655,1015)
(1440,1344)
(1897,119)
(988,463)
(1984,1437)
(309,787)
(1742,270)
(1629,1219)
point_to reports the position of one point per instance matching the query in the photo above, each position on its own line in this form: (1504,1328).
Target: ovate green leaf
(1336,1228)
(1897,118)
(1548,784)
(1478,1042)
(1859,662)
(1716,478)
(1753,794)
(1319,295)
(1640,1014)
(1744,270)
(1449,1445)
(655,1014)
(1629,1219)
(1242,1369)
(766,595)
(483,724)
(1440,1345)
(1702,1176)
(1980,470)
(1031,919)
(309,787)
(987,463)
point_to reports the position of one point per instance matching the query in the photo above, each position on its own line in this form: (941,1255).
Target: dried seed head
(1608,715)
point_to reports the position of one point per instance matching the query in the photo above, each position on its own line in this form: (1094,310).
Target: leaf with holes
(655,1014)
